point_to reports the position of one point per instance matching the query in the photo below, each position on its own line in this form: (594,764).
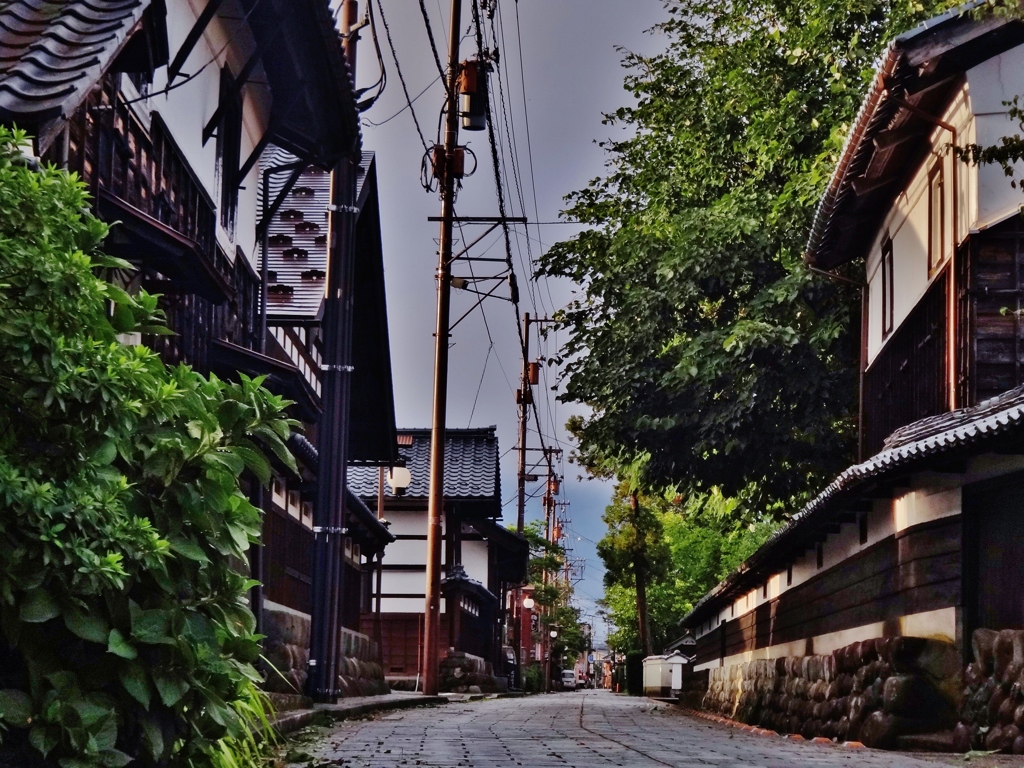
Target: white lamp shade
(554,634)
(399,479)
(528,603)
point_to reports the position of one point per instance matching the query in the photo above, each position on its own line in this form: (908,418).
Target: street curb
(794,737)
(289,722)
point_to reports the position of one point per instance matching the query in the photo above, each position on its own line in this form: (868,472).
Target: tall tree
(709,355)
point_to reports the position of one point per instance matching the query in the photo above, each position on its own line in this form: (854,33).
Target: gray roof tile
(51,53)
(470,464)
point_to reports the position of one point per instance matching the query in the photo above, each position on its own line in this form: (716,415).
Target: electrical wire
(433,45)
(189,78)
(407,106)
(401,77)
(382,77)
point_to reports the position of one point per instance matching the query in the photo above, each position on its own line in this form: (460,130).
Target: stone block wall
(286,647)
(359,669)
(459,672)
(992,710)
(874,691)
(695,688)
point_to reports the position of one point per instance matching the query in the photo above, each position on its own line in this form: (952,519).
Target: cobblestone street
(588,729)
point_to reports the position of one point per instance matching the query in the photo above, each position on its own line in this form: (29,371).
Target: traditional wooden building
(919,545)
(480,559)
(176,113)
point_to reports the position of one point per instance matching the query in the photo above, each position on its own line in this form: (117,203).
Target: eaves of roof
(916,447)
(919,69)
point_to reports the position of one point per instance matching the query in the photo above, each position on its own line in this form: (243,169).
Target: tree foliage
(122,526)
(553,594)
(709,355)
(701,540)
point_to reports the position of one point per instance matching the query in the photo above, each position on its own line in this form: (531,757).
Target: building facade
(172,112)
(480,558)
(857,618)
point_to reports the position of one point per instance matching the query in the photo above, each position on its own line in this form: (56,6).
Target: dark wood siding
(907,380)
(993,264)
(917,570)
(994,554)
(287,547)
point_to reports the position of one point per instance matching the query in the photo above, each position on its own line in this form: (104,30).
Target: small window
(732,609)
(789,576)
(936,219)
(887,287)
(764,591)
(820,554)
(863,524)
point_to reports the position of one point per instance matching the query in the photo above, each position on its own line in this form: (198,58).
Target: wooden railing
(907,380)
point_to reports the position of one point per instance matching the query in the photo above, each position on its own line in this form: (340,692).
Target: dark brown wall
(993,303)
(918,569)
(906,380)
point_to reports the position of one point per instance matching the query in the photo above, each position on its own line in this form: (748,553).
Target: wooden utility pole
(435,509)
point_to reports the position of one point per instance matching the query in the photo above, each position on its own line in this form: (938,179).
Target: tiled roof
(51,53)
(470,466)
(962,431)
(298,238)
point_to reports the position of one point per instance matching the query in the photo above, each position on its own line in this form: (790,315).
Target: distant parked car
(568,680)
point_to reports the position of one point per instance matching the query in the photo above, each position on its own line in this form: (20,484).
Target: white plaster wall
(925,504)
(187,108)
(907,225)
(990,84)
(938,625)
(474,560)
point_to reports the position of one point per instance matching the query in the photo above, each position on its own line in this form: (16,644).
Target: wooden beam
(192,38)
(893,137)
(862,185)
(235,91)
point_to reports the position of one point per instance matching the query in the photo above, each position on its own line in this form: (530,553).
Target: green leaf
(105,454)
(189,549)
(38,606)
(88,626)
(123,318)
(114,758)
(255,461)
(171,687)
(15,707)
(119,646)
(136,682)
(151,627)
(154,737)
(43,738)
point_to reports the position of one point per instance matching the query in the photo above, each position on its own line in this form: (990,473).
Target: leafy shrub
(533,678)
(121,519)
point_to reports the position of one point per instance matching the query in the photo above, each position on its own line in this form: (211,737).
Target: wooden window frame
(888,287)
(936,230)
(229,152)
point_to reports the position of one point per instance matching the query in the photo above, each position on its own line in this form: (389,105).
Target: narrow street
(586,729)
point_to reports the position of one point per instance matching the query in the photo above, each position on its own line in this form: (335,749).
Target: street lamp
(399,479)
(528,603)
(554,634)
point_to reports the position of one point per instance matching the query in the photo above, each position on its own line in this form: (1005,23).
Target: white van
(568,679)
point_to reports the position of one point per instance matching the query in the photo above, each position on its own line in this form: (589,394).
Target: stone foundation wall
(875,691)
(992,713)
(359,669)
(695,688)
(287,649)
(459,672)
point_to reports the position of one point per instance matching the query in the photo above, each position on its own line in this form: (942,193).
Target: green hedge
(120,508)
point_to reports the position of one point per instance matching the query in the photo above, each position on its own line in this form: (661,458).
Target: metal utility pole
(435,509)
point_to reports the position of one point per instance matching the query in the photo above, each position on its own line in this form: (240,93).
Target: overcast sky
(572,73)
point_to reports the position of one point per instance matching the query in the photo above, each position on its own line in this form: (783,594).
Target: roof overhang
(372,431)
(937,444)
(314,111)
(918,75)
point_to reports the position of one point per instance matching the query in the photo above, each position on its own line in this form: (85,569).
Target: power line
(401,77)
(433,45)
(408,105)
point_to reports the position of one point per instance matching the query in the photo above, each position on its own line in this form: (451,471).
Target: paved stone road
(588,729)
